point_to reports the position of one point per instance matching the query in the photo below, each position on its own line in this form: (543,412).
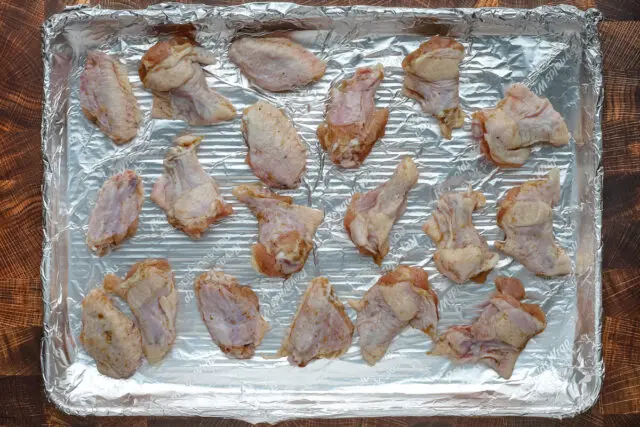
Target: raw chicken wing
(353,124)
(399,299)
(370,216)
(519,121)
(276,63)
(320,329)
(109,336)
(107,99)
(285,230)
(526,215)
(190,197)
(149,289)
(499,335)
(432,79)
(231,313)
(172,70)
(276,153)
(461,252)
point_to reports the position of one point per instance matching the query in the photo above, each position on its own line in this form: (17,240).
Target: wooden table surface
(22,398)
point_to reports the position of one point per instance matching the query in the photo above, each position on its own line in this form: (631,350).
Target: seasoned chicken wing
(353,124)
(370,216)
(461,252)
(519,121)
(231,313)
(149,289)
(285,230)
(400,298)
(432,79)
(107,99)
(499,335)
(172,70)
(109,336)
(276,153)
(526,215)
(115,215)
(320,329)
(276,63)
(190,198)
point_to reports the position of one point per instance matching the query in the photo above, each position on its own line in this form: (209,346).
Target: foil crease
(554,50)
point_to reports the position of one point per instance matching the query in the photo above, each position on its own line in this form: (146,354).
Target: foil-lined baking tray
(554,50)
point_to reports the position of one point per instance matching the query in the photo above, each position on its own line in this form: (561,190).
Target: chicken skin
(500,334)
(526,216)
(172,70)
(149,290)
(107,99)
(370,216)
(285,230)
(276,63)
(320,329)
(353,124)
(461,252)
(109,336)
(190,198)
(432,78)
(400,298)
(115,216)
(519,121)
(276,153)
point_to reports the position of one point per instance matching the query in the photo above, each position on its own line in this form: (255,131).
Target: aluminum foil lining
(554,50)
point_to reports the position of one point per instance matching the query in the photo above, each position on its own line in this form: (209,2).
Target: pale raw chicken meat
(461,252)
(172,70)
(276,153)
(320,329)
(499,335)
(400,298)
(109,336)
(231,313)
(370,216)
(518,121)
(526,216)
(276,63)
(432,78)
(149,290)
(190,198)
(107,99)
(285,230)
(353,124)
(115,215)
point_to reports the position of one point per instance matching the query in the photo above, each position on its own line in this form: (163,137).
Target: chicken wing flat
(285,230)
(461,252)
(109,336)
(432,78)
(518,121)
(353,124)
(115,216)
(149,290)
(400,298)
(500,334)
(276,63)
(276,153)
(370,216)
(526,216)
(172,70)
(320,329)
(107,99)
(231,313)
(190,198)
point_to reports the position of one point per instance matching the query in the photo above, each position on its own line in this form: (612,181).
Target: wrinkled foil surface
(555,51)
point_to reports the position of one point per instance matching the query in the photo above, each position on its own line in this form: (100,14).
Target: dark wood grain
(22,398)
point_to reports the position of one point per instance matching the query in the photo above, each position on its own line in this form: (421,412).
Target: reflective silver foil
(554,50)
